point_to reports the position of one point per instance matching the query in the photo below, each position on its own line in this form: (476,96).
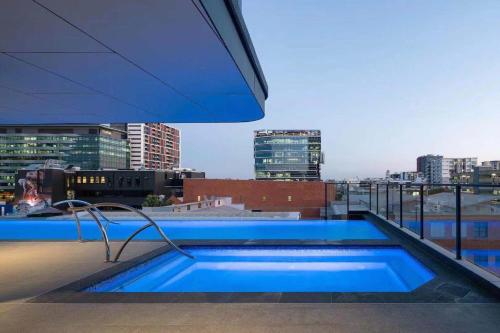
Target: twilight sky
(385,81)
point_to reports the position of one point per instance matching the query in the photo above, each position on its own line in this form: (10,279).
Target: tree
(152,201)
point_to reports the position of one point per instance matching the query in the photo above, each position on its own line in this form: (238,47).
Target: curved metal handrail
(104,235)
(71,201)
(138,231)
(138,212)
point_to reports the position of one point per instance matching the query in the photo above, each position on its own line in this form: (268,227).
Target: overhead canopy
(103,61)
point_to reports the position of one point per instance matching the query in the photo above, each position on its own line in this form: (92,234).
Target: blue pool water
(189,230)
(278,269)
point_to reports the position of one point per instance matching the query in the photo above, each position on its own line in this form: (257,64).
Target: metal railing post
(370,197)
(387,201)
(377,199)
(104,233)
(347,200)
(77,220)
(458,218)
(400,205)
(421,211)
(326,201)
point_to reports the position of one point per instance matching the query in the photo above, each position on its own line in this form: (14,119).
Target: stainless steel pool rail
(71,202)
(92,209)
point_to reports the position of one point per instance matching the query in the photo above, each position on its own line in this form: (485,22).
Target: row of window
(287,175)
(289,140)
(128,181)
(276,148)
(92,180)
(289,198)
(440,231)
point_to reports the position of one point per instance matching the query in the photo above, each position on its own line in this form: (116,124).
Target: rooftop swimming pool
(274,269)
(45,230)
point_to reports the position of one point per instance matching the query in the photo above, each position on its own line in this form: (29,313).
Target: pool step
(158,275)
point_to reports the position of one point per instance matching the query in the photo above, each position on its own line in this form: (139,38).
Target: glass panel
(393,200)
(440,215)
(382,190)
(337,208)
(481,226)
(359,196)
(411,208)
(372,202)
(395,203)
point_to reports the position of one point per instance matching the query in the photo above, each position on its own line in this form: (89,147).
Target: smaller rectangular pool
(274,269)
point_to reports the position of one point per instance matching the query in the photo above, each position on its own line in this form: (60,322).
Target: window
(78,180)
(480,230)
(91,179)
(438,230)
(289,198)
(84,180)
(103,180)
(481,260)
(199,198)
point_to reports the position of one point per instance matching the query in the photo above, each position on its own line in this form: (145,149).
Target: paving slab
(361,317)
(29,269)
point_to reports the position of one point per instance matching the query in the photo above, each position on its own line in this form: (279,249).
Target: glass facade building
(287,155)
(90,147)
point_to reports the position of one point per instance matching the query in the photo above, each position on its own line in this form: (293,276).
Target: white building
(457,165)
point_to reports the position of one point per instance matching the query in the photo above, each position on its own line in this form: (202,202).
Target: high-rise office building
(154,146)
(287,154)
(431,167)
(90,147)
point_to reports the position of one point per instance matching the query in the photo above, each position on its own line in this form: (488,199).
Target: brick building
(260,195)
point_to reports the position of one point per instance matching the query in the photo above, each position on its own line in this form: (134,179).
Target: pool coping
(475,272)
(446,287)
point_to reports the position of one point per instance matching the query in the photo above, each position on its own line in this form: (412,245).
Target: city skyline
(385,82)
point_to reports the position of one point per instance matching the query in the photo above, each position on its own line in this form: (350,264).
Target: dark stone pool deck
(31,271)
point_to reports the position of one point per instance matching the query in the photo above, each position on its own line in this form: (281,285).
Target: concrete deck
(29,269)
(250,318)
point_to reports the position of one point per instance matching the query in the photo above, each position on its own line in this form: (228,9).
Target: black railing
(431,215)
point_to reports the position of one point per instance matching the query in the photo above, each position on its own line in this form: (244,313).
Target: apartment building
(154,146)
(439,169)
(457,165)
(431,167)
